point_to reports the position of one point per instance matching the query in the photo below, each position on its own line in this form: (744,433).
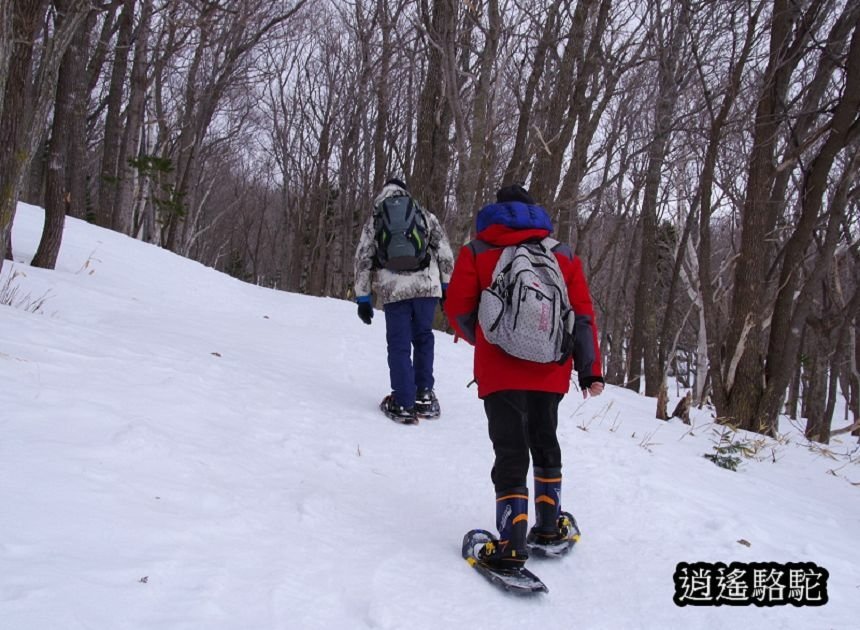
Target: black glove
(444,294)
(586,381)
(365,312)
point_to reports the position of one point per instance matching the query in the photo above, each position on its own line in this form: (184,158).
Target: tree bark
(743,382)
(26,102)
(432,151)
(472,179)
(558,122)
(815,398)
(57,193)
(662,402)
(644,343)
(113,129)
(380,170)
(7,44)
(122,217)
(517,168)
(787,310)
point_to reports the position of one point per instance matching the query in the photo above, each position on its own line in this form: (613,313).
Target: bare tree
(122,219)
(718,117)
(113,126)
(28,95)
(753,384)
(58,198)
(670,32)
(473,127)
(432,148)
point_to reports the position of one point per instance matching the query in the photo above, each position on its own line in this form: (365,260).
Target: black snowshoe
(427,405)
(557,544)
(479,547)
(396,412)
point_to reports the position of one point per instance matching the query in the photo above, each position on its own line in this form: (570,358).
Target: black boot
(427,405)
(555,531)
(509,551)
(397,412)
(547,503)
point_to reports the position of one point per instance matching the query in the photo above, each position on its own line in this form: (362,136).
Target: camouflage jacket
(394,286)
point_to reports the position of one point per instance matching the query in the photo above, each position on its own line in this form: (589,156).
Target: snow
(179,449)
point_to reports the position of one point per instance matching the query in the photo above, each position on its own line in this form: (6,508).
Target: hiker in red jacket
(521,398)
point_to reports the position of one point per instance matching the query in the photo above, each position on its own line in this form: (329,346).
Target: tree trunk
(644,343)
(433,153)
(789,310)
(517,168)
(26,103)
(113,129)
(854,371)
(16,125)
(793,392)
(58,195)
(662,402)
(715,359)
(472,178)
(589,100)
(7,44)
(817,425)
(550,143)
(122,218)
(78,168)
(737,392)
(380,166)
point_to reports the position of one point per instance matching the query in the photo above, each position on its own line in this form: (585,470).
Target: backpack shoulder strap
(478,246)
(420,213)
(557,247)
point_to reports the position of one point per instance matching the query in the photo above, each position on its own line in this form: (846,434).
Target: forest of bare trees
(701,156)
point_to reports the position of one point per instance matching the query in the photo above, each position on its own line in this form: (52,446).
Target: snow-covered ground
(182,450)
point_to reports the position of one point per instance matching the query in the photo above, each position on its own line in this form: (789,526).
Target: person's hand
(444,294)
(365,312)
(595,389)
(592,385)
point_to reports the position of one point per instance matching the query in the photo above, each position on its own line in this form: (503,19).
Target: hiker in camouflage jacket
(409,300)
(394,286)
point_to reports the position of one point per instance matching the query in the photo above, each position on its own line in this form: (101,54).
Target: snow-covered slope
(182,450)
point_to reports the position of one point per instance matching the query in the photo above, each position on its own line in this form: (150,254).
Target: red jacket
(495,370)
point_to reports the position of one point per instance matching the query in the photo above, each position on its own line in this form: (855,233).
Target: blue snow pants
(408,327)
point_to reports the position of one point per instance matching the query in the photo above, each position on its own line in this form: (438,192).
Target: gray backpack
(401,235)
(526,310)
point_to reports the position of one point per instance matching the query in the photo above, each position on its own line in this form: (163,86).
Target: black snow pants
(522,422)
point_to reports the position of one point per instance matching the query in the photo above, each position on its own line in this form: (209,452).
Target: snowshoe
(396,412)
(427,405)
(479,548)
(558,544)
